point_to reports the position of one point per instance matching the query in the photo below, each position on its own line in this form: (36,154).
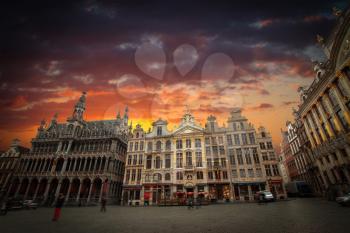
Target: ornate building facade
(9,162)
(81,159)
(325,114)
(219,163)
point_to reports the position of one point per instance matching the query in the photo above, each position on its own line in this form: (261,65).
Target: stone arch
(85,187)
(42,187)
(24,186)
(64,186)
(74,188)
(14,187)
(32,188)
(96,189)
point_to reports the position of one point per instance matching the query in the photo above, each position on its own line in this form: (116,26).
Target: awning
(146,195)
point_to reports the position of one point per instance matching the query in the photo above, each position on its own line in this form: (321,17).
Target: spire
(79,108)
(126,115)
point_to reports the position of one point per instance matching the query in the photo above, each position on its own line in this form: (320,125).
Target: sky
(157,57)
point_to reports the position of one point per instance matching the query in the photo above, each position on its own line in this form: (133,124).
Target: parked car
(14,204)
(344,200)
(265,196)
(30,204)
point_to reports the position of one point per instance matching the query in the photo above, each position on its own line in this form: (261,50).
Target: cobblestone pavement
(297,216)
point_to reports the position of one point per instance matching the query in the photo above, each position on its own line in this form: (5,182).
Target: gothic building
(325,113)
(218,163)
(82,159)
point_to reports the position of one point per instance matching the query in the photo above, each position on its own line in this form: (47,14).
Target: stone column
(64,166)
(69,146)
(36,191)
(69,189)
(325,119)
(308,133)
(58,189)
(46,190)
(89,194)
(343,107)
(313,129)
(336,120)
(59,147)
(323,134)
(79,188)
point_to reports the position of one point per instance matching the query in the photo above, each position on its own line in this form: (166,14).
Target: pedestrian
(190,202)
(59,204)
(103,204)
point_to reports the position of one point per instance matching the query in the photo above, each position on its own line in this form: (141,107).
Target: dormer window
(263,134)
(159,131)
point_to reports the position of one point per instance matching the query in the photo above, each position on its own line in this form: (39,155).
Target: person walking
(59,204)
(103,204)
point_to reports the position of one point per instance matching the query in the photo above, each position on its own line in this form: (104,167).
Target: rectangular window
(248,159)
(268,170)
(258,172)
(250,172)
(215,150)
(167,161)
(262,146)
(136,146)
(207,141)
(131,144)
(229,140)
(210,175)
(139,174)
(140,159)
(198,143)
(141,145)
(275,170)
(272,155)
(159,131)
(188,143)
(134,161)
(237,141)
(244,139)
(207,151)
(209,163)
(133,175)
(179,176)
(231,156)
(199,159)
(221,140)
(223,162)
(222,150)
(149,146)
(199,175)
(213,141)
(242,173)
(178,144)
(256,156)
(129,159)
(251,138)
(234,173)
(216,162)
(188,158)
(264,156)
(239,156)
(179,160)
(269,145)
(224,175)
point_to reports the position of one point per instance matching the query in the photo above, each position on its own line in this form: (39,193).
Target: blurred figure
(59,204)
(103,203)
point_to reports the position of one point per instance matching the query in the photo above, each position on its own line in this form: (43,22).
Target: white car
(30,204)
(344,200)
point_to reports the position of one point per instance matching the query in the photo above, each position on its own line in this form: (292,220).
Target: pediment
(188,129)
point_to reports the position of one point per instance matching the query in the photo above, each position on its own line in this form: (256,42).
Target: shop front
(245,191)
(219,192)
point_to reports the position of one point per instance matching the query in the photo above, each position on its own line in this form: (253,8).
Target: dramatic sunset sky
(156,57)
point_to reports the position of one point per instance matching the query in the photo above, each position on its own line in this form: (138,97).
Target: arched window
(158,162)
(149,162)
(159,146)
(157,177)
(149,146)
(167,176)
(168,145)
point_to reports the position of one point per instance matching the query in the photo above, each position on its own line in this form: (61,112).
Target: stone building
(9,161)
(81,159)
(219,163)
(324,110)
